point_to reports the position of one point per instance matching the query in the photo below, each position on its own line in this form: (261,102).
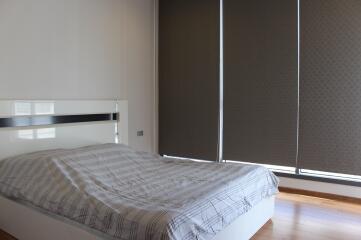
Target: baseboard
(322,187)
(321,195)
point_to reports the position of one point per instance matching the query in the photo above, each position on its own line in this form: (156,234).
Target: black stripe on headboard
(27,121)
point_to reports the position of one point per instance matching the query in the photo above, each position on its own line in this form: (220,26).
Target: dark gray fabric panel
(260,81)
(189,78)
(330,86)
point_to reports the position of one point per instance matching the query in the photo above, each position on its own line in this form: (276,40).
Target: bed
(111,191)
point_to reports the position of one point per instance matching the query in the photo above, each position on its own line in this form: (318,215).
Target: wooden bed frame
(27,223)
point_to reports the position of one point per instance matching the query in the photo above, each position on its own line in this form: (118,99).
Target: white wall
(323,187)
(141,73)
(81,49)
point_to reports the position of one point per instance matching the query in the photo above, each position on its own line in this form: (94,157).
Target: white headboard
(28,126)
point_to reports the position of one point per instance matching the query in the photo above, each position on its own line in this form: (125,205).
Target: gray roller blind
(189,78)
(260,81)
(330,86)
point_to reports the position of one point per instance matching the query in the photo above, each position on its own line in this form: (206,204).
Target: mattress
(127,194)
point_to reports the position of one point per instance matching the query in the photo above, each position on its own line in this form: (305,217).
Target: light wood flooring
(302,217)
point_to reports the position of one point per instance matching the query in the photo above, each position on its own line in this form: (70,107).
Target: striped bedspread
(128,194)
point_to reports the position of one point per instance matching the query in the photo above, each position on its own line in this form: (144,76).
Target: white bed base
(26,223)
(244,227)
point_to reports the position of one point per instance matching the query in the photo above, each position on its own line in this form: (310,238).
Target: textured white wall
(81,49)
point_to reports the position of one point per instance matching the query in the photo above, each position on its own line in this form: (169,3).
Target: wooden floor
(300,217)
(4,236)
